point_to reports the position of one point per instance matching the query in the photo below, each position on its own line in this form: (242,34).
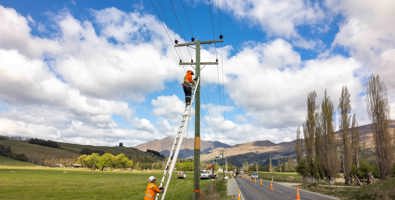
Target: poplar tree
(355,143)
(298,147)
(345,109)
(331,164)
(309,133)
(377,102)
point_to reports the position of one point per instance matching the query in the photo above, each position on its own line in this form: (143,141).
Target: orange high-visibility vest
(151,191)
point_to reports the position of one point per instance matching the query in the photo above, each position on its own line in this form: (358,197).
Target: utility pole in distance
(197,63)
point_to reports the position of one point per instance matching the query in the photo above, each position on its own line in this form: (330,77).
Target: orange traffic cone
(297,193)
(261,182)
(271,185)
(239,196)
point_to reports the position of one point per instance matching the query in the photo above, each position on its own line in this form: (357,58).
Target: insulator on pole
(193,39)
(221,37)
(176,41)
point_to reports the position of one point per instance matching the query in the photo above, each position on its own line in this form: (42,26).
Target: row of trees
(120,161)
(317,156)
(320,155)
(107,160)
(47,143)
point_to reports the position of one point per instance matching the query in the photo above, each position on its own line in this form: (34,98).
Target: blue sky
(103,72)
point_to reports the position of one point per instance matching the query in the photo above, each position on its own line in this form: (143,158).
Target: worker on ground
(152,189)
(187,85)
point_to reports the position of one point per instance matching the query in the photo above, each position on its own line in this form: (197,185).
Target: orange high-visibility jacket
(188,78)
(151,191)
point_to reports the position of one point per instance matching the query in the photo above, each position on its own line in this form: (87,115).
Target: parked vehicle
(205,174)
(254,175)
(181,175)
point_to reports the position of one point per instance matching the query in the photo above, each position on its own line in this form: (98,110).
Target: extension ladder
(176,146)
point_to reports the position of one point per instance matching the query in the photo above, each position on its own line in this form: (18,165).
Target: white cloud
(88,79)
(278,18)
(369,35)
(99,67)
(217,127)
(271,82)
(102,67)
(170,107)
(76,132)
(15,34)
(28,81)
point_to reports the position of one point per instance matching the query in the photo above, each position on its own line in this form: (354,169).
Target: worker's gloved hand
(161,188)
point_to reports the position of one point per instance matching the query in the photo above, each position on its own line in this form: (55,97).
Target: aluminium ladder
(175,148)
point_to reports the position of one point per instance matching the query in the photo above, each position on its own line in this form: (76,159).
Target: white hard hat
(151,178)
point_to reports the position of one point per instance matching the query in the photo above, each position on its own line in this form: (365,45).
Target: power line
(165,28)
(216,5)
(212,22)
(211,18)
(179,22)
(187,19)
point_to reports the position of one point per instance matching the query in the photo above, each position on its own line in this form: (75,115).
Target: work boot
(188,101)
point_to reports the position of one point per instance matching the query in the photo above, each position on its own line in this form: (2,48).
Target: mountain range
(252,152)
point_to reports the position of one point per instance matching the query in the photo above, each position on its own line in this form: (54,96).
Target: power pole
(197,63)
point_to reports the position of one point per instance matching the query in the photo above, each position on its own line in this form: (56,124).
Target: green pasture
(281,176)
(27,183)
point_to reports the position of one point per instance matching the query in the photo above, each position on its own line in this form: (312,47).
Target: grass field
(57,184)
(281,176)
(67,153)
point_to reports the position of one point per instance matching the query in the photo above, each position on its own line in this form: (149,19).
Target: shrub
(365,167)
(185,165)
(302,168)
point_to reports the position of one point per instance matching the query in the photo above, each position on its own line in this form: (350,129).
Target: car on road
(181,175)
(254,175)
(205,174)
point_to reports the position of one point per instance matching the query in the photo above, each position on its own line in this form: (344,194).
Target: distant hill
(66,153)
(259,151)
(256,151)
(163,146)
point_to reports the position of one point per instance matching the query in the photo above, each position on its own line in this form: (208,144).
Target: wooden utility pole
(197,63)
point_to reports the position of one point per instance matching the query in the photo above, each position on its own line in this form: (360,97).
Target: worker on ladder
(187,85)
(152,189)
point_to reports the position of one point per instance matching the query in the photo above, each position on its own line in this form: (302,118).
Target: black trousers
(188,93)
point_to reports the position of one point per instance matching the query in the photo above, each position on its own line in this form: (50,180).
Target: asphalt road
(253,191)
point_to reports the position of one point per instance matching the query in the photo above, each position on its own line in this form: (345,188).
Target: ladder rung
(175,150)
